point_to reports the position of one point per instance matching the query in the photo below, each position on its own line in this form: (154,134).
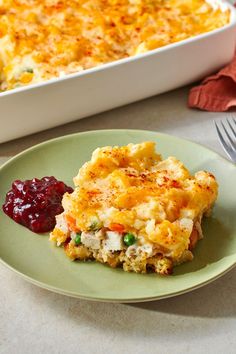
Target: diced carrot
(71,223)
(117,227)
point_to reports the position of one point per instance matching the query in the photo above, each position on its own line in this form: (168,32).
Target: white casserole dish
(41,106)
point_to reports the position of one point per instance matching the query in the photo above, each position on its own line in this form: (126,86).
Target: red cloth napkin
(217,93)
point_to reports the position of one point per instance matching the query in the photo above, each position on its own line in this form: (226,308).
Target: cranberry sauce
(35,203)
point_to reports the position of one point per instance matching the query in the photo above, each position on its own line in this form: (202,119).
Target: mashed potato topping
(44,39)
(130,190)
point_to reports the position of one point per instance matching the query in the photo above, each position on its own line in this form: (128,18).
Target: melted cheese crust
(156,200)
(44,39)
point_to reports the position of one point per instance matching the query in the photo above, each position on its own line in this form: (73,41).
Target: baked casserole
(45,39)
(132,209)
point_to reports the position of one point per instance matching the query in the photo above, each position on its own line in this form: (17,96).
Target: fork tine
(222,140)
(233,119)
(232,129)
(228,135)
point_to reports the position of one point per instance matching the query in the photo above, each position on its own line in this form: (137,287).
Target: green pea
(78,238)
(29,70)
(129,239)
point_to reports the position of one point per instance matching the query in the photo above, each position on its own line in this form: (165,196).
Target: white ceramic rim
(130,59)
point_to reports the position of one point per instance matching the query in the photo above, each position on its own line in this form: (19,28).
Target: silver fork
(226,130)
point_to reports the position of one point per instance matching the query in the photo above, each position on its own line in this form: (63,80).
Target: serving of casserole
(62,60)
(132,209)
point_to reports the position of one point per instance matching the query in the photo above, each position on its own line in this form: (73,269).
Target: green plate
(37,260)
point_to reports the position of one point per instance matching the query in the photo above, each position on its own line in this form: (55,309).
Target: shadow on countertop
(214,300)
(210,309)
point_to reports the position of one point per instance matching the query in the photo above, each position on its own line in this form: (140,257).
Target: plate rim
(68,136)
(58,290)
(112,300)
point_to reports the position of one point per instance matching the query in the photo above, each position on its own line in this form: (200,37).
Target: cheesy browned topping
(43,39)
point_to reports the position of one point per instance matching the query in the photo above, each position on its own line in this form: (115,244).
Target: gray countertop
(34,320)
